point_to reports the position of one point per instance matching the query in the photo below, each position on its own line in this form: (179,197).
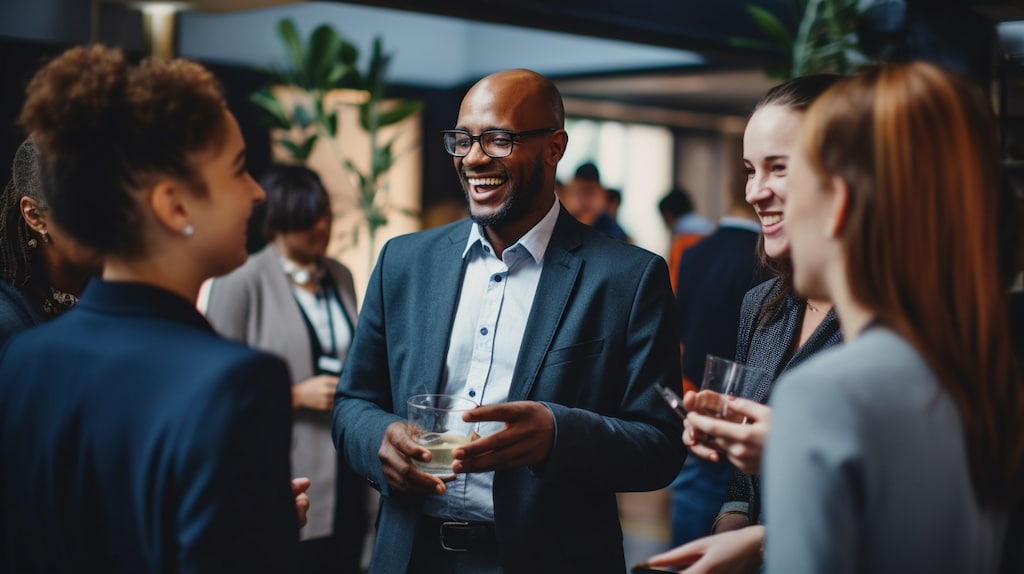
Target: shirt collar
(535,241)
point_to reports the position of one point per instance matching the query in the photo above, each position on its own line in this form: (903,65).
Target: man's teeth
(485,181)
(770,218)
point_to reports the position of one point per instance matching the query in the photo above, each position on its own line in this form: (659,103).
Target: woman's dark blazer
(134,439)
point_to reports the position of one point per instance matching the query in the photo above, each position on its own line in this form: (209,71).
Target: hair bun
(67,111)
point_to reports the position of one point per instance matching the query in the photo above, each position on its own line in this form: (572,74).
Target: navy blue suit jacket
(713,277)
(599,337)
(134,439)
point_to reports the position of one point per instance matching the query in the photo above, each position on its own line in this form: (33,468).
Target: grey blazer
(767,346)
(254,304)
(599,337)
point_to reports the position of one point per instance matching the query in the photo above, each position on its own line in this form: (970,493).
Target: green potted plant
(300,115)
(825,38)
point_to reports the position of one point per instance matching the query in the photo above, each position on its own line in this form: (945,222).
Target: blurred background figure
(292,300)
(687,227)
(612,209)
(43,270)
(588,201)
(713,276)
(614,202)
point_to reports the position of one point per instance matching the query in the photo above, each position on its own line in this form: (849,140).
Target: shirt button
(483,330)
(487,249)
(472,393)
(497,278)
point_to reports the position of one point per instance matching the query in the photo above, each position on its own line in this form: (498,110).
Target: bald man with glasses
(560,333)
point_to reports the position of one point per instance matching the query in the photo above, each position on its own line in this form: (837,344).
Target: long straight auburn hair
(929,241)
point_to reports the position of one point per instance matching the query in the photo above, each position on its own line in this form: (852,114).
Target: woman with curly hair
(132,437)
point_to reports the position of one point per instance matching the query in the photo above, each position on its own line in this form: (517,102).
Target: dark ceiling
(955,33)
(704,26)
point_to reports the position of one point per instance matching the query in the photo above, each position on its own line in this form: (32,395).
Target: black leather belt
(457,536)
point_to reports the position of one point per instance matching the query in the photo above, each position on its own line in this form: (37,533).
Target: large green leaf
(274,116)
(322,56)
(289,35)
(300,151)
(362,178)
(379,61)
(330,123)
(772,26)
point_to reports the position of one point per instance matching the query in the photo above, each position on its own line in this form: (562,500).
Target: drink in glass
(724,378)
(435,422)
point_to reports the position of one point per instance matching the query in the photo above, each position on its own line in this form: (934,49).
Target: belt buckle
(441,535)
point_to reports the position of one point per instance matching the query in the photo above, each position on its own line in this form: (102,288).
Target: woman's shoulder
(252,272)
(878,370)
(760,292)
(755,299)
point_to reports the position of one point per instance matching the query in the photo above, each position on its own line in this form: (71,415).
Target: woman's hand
(741,443)
(315,393)
(736,552)
(693,438)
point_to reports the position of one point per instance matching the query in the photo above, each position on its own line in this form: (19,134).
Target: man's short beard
(516,205)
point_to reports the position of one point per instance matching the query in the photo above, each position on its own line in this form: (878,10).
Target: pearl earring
(46,236)
(188,231)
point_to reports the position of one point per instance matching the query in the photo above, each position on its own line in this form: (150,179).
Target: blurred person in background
(714,275)
(292,300)
(686,226)
(44,270)
(589,201)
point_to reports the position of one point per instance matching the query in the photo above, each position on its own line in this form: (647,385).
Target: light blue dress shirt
(494,305)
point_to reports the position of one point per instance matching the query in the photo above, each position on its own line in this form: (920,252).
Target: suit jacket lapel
(444,273)
(561,269)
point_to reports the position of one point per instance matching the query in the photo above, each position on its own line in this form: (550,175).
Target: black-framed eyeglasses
(495,143)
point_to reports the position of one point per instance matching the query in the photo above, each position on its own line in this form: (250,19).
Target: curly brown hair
(107,127)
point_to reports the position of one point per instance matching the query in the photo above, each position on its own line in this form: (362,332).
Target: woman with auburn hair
(132,437)
(902,450)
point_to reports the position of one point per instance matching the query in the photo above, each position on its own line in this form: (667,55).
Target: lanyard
(329,293)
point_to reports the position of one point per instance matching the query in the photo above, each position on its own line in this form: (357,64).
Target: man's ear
(556,147)
(839,208)
(168,201)
(33,214)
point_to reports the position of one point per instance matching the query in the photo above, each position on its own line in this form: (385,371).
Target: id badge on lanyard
(328,365)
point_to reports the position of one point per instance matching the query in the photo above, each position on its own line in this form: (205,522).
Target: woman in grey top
(902,450)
